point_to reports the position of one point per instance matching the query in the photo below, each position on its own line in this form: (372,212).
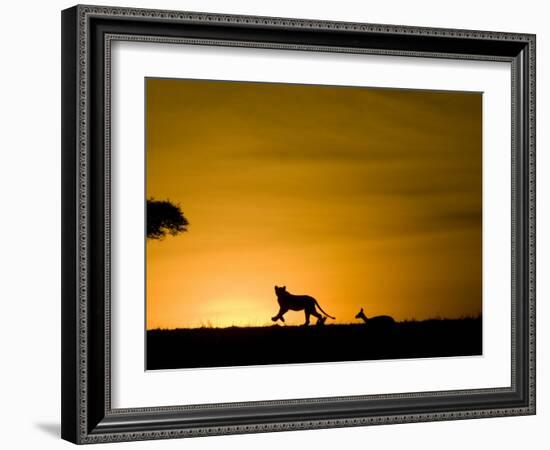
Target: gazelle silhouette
(378,321)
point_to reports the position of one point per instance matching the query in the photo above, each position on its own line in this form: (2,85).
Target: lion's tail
(323,311)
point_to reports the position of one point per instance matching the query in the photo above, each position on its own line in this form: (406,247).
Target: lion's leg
(306,323)
(280,315)
(320,318)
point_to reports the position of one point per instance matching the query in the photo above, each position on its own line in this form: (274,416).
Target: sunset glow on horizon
(359,197)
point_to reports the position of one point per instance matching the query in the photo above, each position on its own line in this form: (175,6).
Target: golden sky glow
(359,197)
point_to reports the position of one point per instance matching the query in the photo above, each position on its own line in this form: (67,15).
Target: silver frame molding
(87,35)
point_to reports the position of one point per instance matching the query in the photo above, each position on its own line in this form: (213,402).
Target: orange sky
(359,197)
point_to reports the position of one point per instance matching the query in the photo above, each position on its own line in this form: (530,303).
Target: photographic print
(292,223)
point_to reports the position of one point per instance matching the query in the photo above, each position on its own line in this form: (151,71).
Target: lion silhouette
(288,301)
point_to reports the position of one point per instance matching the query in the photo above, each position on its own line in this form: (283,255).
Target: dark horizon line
(206,327)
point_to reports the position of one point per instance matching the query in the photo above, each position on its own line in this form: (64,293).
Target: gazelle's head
(361,315)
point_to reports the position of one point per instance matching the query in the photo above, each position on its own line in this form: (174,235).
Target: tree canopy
(164,217)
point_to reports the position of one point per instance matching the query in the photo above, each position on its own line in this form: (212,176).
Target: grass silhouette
(276,344)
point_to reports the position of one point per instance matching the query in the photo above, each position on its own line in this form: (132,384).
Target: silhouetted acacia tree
(163,217)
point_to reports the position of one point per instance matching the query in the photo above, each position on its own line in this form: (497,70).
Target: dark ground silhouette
(236,346)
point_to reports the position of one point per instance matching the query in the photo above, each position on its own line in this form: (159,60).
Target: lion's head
(280,290)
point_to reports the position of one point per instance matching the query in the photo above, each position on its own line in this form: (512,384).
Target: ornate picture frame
(88,415)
